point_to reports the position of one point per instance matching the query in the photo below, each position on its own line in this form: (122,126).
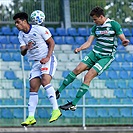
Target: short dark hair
(98,11)
(21,15)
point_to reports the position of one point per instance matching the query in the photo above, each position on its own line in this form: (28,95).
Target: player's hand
(76,50)
(125,42)
(29,45)
(44,60)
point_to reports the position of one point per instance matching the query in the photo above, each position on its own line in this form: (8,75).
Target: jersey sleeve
(45,33)
(116,27)
(93,30)
(20,38)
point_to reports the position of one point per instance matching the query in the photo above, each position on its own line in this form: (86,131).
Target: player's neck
(104,20)
(27,28)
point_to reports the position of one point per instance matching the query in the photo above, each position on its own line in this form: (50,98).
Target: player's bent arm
(125,41)
(86,44)
(23,50)
(51,45)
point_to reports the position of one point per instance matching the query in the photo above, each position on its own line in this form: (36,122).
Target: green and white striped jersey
(106,34)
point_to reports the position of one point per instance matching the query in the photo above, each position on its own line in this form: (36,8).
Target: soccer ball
(37,17)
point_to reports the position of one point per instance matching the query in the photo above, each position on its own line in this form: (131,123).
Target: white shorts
(38,69)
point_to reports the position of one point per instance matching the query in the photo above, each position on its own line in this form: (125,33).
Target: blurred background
(110,98)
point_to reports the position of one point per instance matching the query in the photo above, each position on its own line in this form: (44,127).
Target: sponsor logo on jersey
(44,69)
(34,34)
(46,32)
(102,32)
(32,42)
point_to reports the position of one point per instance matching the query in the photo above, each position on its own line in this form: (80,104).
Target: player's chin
(19,28)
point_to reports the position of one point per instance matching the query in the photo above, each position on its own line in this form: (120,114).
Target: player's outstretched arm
(24,50)
(125,41)
(51,44)
(85,45)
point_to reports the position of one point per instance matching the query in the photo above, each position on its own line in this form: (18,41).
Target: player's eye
(17,22)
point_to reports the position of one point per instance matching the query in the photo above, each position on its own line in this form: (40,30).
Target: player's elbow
(23,53)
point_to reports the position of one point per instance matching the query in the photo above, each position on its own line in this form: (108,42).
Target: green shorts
(97,61)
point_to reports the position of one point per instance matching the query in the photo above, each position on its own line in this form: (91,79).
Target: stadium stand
(78,113)
(101,112)
(112,87)
(69,40)
(66,115)
(59,40)
(42,113)
(41,94)
(6,113)
(13,39)
(8,101)
(126,66)
(115,101)
(79,40)
(128,57)
(91,113)
(119,93)
(4,40)
(18,113)
(103,76)
(114,112)
(22,93)
(127,101)
(10,75)
(104,101)
(15,31)
(76,83)
(52,30)
(18,84)
(66,48)
(6,30)
(6,56)
(113,75)
(65,73)
(127,32)
(61,31)
(16,56)
(83,32)
(92,101)
(125,112)
(129,93)
(19,101)
(119,57)
(72,32)
(131,39)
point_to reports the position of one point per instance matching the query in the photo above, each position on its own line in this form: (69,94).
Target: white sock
(33,101)
(51,95)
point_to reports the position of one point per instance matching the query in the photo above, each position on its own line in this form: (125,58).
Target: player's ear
(101,16)
(25,21)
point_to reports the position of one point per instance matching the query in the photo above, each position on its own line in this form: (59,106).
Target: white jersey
(38,36)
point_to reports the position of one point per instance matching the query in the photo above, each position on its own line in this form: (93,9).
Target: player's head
(38,17)
(21,20)
(97,15)
(97,11)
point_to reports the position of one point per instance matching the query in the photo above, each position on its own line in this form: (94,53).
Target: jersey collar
(29,29)
(106,21)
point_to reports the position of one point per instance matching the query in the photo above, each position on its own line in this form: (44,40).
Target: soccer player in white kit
(37,42)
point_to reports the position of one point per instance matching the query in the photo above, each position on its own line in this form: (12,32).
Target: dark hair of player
(21,15)
(97,11)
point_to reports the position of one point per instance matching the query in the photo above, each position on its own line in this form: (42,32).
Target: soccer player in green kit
(99,59)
